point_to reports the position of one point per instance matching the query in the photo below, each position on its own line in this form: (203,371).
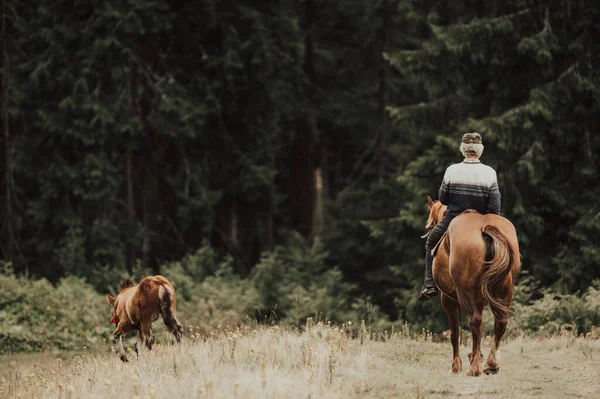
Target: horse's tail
(165,297)
(501,256)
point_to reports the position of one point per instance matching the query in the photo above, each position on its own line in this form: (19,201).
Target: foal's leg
(474,313)
(451,307)
(173,325)
(118,337)
(170,320)
(146,333)
(138,343)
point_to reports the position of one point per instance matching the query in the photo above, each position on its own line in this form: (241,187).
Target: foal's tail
(166,296)
(503,255)
(166,300)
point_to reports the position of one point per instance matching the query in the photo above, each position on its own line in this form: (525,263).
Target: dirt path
(556,368)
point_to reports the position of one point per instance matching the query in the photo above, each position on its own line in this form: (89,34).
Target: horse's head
(437,210)
(113,303)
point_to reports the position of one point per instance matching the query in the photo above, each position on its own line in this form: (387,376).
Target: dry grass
(321,362)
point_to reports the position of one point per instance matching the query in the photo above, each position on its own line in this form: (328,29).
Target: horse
(476,262)
(137,306)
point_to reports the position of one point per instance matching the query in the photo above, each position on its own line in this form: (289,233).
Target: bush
(34,314)
(554,313)
(294,282)
(289,285)
(217,299)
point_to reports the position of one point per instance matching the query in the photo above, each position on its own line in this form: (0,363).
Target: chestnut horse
(476,262)
(137,306)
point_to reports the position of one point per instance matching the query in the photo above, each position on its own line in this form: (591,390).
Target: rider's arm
(443,192)
(494,199)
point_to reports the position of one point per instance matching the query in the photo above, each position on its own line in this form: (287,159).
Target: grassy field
(321,362)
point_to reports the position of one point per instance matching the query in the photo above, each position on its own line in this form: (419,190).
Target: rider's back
(470,185)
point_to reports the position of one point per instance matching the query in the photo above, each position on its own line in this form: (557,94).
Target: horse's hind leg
(500,321)
(167,311)
(146,333)
(173,325)
(493,365)
(451,307)
(474,313)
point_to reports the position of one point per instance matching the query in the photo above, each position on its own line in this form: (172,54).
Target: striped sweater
(470,185)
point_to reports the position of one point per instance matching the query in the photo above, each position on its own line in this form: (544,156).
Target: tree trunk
(383,118)
(318,213)
(8,222)
(268,241)
(234,223)
(303,143)
(130,259)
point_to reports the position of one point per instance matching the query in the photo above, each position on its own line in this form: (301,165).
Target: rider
(466,185)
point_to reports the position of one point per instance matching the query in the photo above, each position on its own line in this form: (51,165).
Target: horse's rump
(478,250)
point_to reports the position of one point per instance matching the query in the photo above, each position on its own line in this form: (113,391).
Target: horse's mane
(126,284)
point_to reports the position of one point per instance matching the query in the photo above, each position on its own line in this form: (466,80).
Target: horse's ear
(110,300)
(126,284)
(429,202)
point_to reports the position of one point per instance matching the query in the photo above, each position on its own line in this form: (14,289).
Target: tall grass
(316,361)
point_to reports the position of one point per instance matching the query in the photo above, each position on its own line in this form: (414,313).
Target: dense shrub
(289,285)
(554,313)
(34,314)
(294,283)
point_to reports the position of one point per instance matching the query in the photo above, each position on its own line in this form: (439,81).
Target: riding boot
(429,289)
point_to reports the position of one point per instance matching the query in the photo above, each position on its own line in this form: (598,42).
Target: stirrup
(427,293)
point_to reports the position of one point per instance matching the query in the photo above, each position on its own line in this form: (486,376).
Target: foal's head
(437,210)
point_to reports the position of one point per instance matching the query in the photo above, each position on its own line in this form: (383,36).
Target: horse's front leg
(138,343)
(451,308)
(118,337)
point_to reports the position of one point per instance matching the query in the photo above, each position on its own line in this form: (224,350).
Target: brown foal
(137,306)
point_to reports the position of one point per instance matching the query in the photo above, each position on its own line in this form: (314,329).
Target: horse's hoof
(124,358)
(491,370)
(470,356)
(474,373)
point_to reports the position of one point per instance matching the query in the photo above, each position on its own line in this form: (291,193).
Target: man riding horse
(466,185)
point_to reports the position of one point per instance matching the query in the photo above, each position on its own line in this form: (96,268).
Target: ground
(322,362)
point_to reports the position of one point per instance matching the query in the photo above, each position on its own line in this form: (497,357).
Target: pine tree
(522,74)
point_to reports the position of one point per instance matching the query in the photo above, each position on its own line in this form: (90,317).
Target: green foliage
(537,132)
(554,312)
(36,315)
(294,283)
